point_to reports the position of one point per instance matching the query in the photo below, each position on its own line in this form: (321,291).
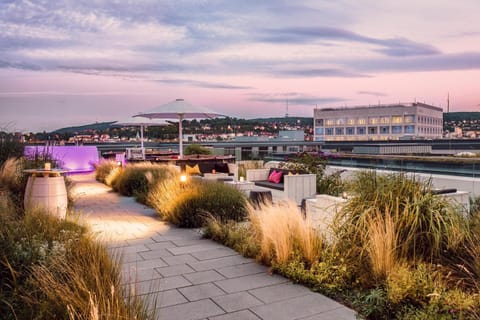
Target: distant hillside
(102,126)
(460,116)
(99,126)
(284,119)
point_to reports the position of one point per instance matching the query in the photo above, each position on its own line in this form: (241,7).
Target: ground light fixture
(183,178)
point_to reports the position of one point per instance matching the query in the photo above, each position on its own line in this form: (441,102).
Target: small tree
(197,149)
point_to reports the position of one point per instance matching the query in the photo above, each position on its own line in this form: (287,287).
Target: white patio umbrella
(140,122)
(179,109)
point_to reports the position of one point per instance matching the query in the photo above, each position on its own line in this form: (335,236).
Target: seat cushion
(192,170)
(268,184)
(207,167)
(221,167)
(275,176)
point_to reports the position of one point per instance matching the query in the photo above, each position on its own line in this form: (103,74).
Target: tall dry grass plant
(245,165)
(53,269)
(92,291)
(191,204)
(427,225)
(381,242)
(282,230)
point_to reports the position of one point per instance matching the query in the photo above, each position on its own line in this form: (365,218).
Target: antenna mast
(286,113)
(448,102)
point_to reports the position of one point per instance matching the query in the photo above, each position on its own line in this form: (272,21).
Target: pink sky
(64,64)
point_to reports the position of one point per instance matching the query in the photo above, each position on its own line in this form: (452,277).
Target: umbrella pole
(141,141)
(180,135)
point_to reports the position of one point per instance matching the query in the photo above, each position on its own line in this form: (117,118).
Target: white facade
(381,122)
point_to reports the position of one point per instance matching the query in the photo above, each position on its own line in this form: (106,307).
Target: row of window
(395,119)
(365,130)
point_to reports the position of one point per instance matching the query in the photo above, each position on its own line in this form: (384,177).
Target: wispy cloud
(203,84)
(293,98)
(454,61)
(372,93)
(389,47)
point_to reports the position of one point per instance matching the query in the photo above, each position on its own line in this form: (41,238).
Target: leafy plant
(197,149)
(373,304)
(315,163)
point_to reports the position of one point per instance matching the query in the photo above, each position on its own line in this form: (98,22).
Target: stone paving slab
(203,276)
(184,276)
(296,308)
(190,311)
(240,315)
(237,301)
(249,282)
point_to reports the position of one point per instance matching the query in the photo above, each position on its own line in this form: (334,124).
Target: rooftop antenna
(448,102)
(286,113)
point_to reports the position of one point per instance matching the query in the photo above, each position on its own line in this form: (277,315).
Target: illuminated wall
(71,158)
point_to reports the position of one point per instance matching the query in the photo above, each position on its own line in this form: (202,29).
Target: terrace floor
(191,277)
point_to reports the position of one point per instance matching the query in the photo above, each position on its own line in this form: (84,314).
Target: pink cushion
(275,176)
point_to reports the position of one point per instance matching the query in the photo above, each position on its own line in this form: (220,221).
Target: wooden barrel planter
(48,193)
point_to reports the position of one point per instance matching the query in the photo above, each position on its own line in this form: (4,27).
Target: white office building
(380,122)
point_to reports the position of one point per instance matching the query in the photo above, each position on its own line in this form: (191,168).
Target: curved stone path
(190,277)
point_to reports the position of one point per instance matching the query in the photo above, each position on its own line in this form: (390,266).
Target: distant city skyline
(65,63)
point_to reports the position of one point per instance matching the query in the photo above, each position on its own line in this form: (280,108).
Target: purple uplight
(71,158)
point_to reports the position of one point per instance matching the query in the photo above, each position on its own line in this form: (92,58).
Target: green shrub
(238,236)
(196,149)
(136,179)
(14,180)
(104,169)
(188,205)
(331,274)
(373,304)
(10,147)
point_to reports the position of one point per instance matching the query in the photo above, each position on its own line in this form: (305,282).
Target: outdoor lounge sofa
(295,187)
(202,167)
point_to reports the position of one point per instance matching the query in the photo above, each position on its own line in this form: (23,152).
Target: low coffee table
(244,186)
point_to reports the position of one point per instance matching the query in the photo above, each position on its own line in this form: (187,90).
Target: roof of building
(381,106)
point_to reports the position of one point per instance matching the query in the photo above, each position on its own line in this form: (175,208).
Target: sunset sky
(66,63)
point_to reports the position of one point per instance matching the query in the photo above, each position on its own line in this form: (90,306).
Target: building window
(384,130)
(409,119)
(409,129)
(361,121)
(340,122)
(319,122)
(372,130)
(385,120)
(350,131)
(319,131)
(396,129)
(329,131)
(361,130)
(397,119)
(329,122)
(350,121)
(372,120)
(339,131)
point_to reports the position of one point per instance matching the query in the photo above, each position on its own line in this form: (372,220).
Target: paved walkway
(191,277)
